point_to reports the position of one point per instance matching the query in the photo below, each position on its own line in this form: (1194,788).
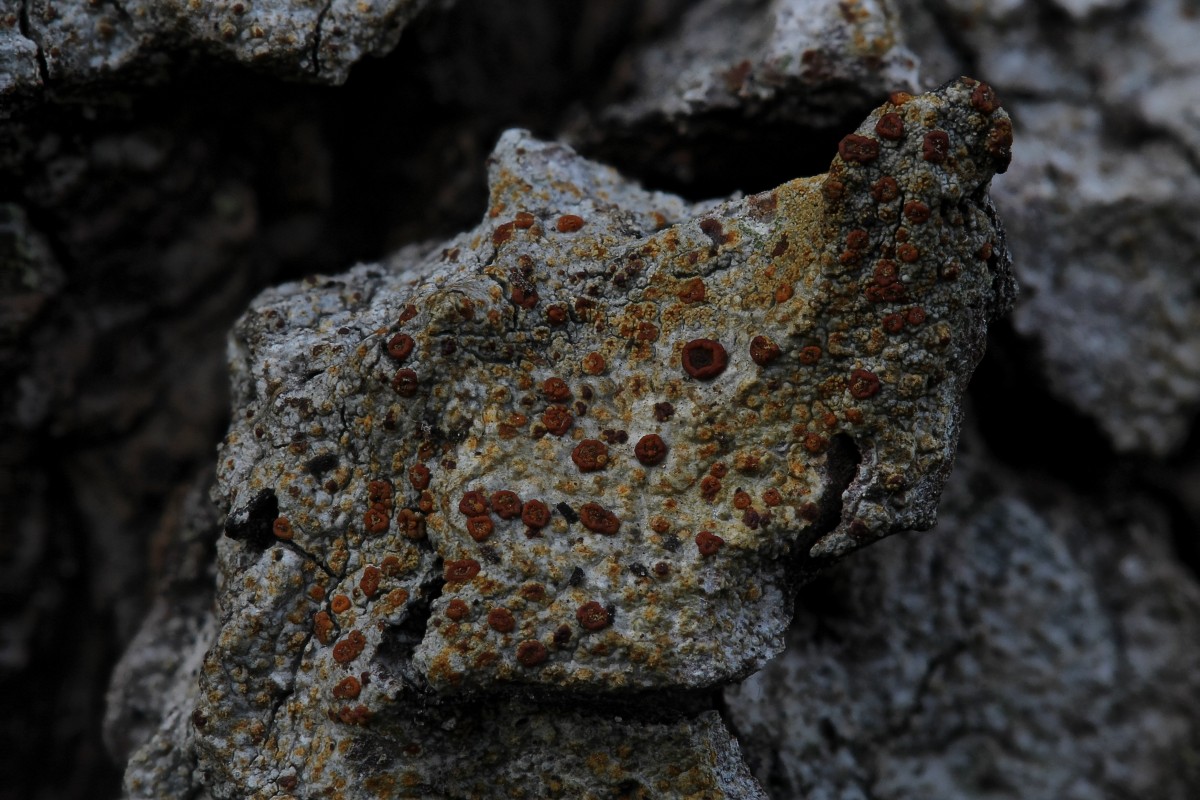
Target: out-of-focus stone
(86,42)
(1102,197)
(810,59)
(1033,650)
(586,449)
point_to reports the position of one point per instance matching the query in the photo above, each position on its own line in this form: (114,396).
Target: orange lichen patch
(809,355)
(594,364)
(935,147)
(457,610)
(709,487)
(693,291)
(323,627)
(506,504)
(533,592)
(348,688)
(593,616)
(569,223)
(530,653)
(375,521)
(392,601)
(708,543)
(391,566)
(863,384)
(556,390)
(557,419)
(501,620)
(890,126)
(741,500)
(596,517)
(858,149)
(358,715)
(379,495)
(349,647)
(772,497)
(763,351)
(704,359)
(815,442)
(400,346)
(369,582)
(460,571)
(590,455)
(339,604)
(411,524)
(405,383)
(535,514)
(556,315)
(418,476)
(282,529)
(524,220)
(473,504)
(650,450)
(480,528)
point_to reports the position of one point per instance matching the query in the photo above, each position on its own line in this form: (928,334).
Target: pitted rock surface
(589,448)
(298,39)
(797,57)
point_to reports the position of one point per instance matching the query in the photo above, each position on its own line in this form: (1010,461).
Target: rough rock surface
(807,58)
(950,664)
(583,449)
(1102,202)
(57,43)
(752,84)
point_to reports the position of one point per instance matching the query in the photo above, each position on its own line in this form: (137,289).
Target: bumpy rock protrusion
(589,448)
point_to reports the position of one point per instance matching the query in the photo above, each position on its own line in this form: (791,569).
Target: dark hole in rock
(252,523)
(843,459)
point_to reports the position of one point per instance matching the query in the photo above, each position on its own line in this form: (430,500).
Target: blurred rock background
(161,163)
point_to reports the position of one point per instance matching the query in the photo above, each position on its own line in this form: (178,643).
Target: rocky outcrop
(584,451)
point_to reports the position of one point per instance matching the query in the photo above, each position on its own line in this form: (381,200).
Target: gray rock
(1024,649)
(810,59)
(690,409)
(1102,197)
(83,43)
(1104,189)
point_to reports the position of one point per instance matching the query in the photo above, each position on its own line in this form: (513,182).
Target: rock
(585,450)
(739,90)
(1101,199)
(1027,648)
(803,58)
(83,43)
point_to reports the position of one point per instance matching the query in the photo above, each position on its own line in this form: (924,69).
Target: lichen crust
(593,445)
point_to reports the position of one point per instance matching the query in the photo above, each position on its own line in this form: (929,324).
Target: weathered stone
(299,39)
(801,355)
(1102,200)
(1031,649)
(810,59)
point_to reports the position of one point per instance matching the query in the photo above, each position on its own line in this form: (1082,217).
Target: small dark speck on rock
(568,513)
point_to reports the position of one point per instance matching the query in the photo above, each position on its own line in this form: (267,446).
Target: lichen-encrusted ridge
(588,448)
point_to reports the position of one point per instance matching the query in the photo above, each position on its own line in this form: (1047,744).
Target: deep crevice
(841,467)
(27,32)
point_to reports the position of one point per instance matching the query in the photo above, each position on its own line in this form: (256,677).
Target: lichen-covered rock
(587,449)
(300,39)
(1033,649)
(809,58)
(1103,198)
